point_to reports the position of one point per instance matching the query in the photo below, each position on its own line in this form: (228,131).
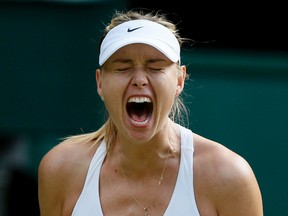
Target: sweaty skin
(224,183)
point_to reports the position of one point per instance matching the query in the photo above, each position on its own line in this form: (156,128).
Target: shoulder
(62,172)
(220,159)
(227,177)
(58,159)
(66,159)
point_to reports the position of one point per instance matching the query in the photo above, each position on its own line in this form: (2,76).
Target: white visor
(140,31)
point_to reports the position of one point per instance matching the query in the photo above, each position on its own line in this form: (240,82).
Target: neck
(146,154)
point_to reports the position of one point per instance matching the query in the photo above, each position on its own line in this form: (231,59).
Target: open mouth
(139,109)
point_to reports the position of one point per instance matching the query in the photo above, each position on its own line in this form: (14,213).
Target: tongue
(138,118)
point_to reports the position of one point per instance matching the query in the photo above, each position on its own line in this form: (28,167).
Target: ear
(99,83)
(181,80)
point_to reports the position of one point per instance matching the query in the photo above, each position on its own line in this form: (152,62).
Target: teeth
(140,123)
(139,100)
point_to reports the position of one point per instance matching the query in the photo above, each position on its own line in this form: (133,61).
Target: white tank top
(183,199)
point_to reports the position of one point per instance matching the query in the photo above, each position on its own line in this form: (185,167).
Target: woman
(142,161)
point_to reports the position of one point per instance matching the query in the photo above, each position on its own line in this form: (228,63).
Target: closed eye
(125,69)
(153,70)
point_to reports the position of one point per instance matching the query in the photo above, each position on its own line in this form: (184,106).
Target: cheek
(166,93)
(167,86)
(113,89)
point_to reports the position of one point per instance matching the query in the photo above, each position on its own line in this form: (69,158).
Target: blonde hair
(178,113)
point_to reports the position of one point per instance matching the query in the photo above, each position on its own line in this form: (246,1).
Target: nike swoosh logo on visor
(131,30)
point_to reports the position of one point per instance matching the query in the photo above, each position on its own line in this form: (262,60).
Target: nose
(139,78)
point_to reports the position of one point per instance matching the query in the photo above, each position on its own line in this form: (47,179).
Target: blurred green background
(49,53)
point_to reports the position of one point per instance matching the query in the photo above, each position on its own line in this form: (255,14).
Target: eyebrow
(152,60)
(122,60)
(155,60)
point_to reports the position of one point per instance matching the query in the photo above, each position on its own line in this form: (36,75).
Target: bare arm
(50,184)
(240,194)
(225,184)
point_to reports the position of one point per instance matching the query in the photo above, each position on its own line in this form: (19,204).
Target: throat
(139,112)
